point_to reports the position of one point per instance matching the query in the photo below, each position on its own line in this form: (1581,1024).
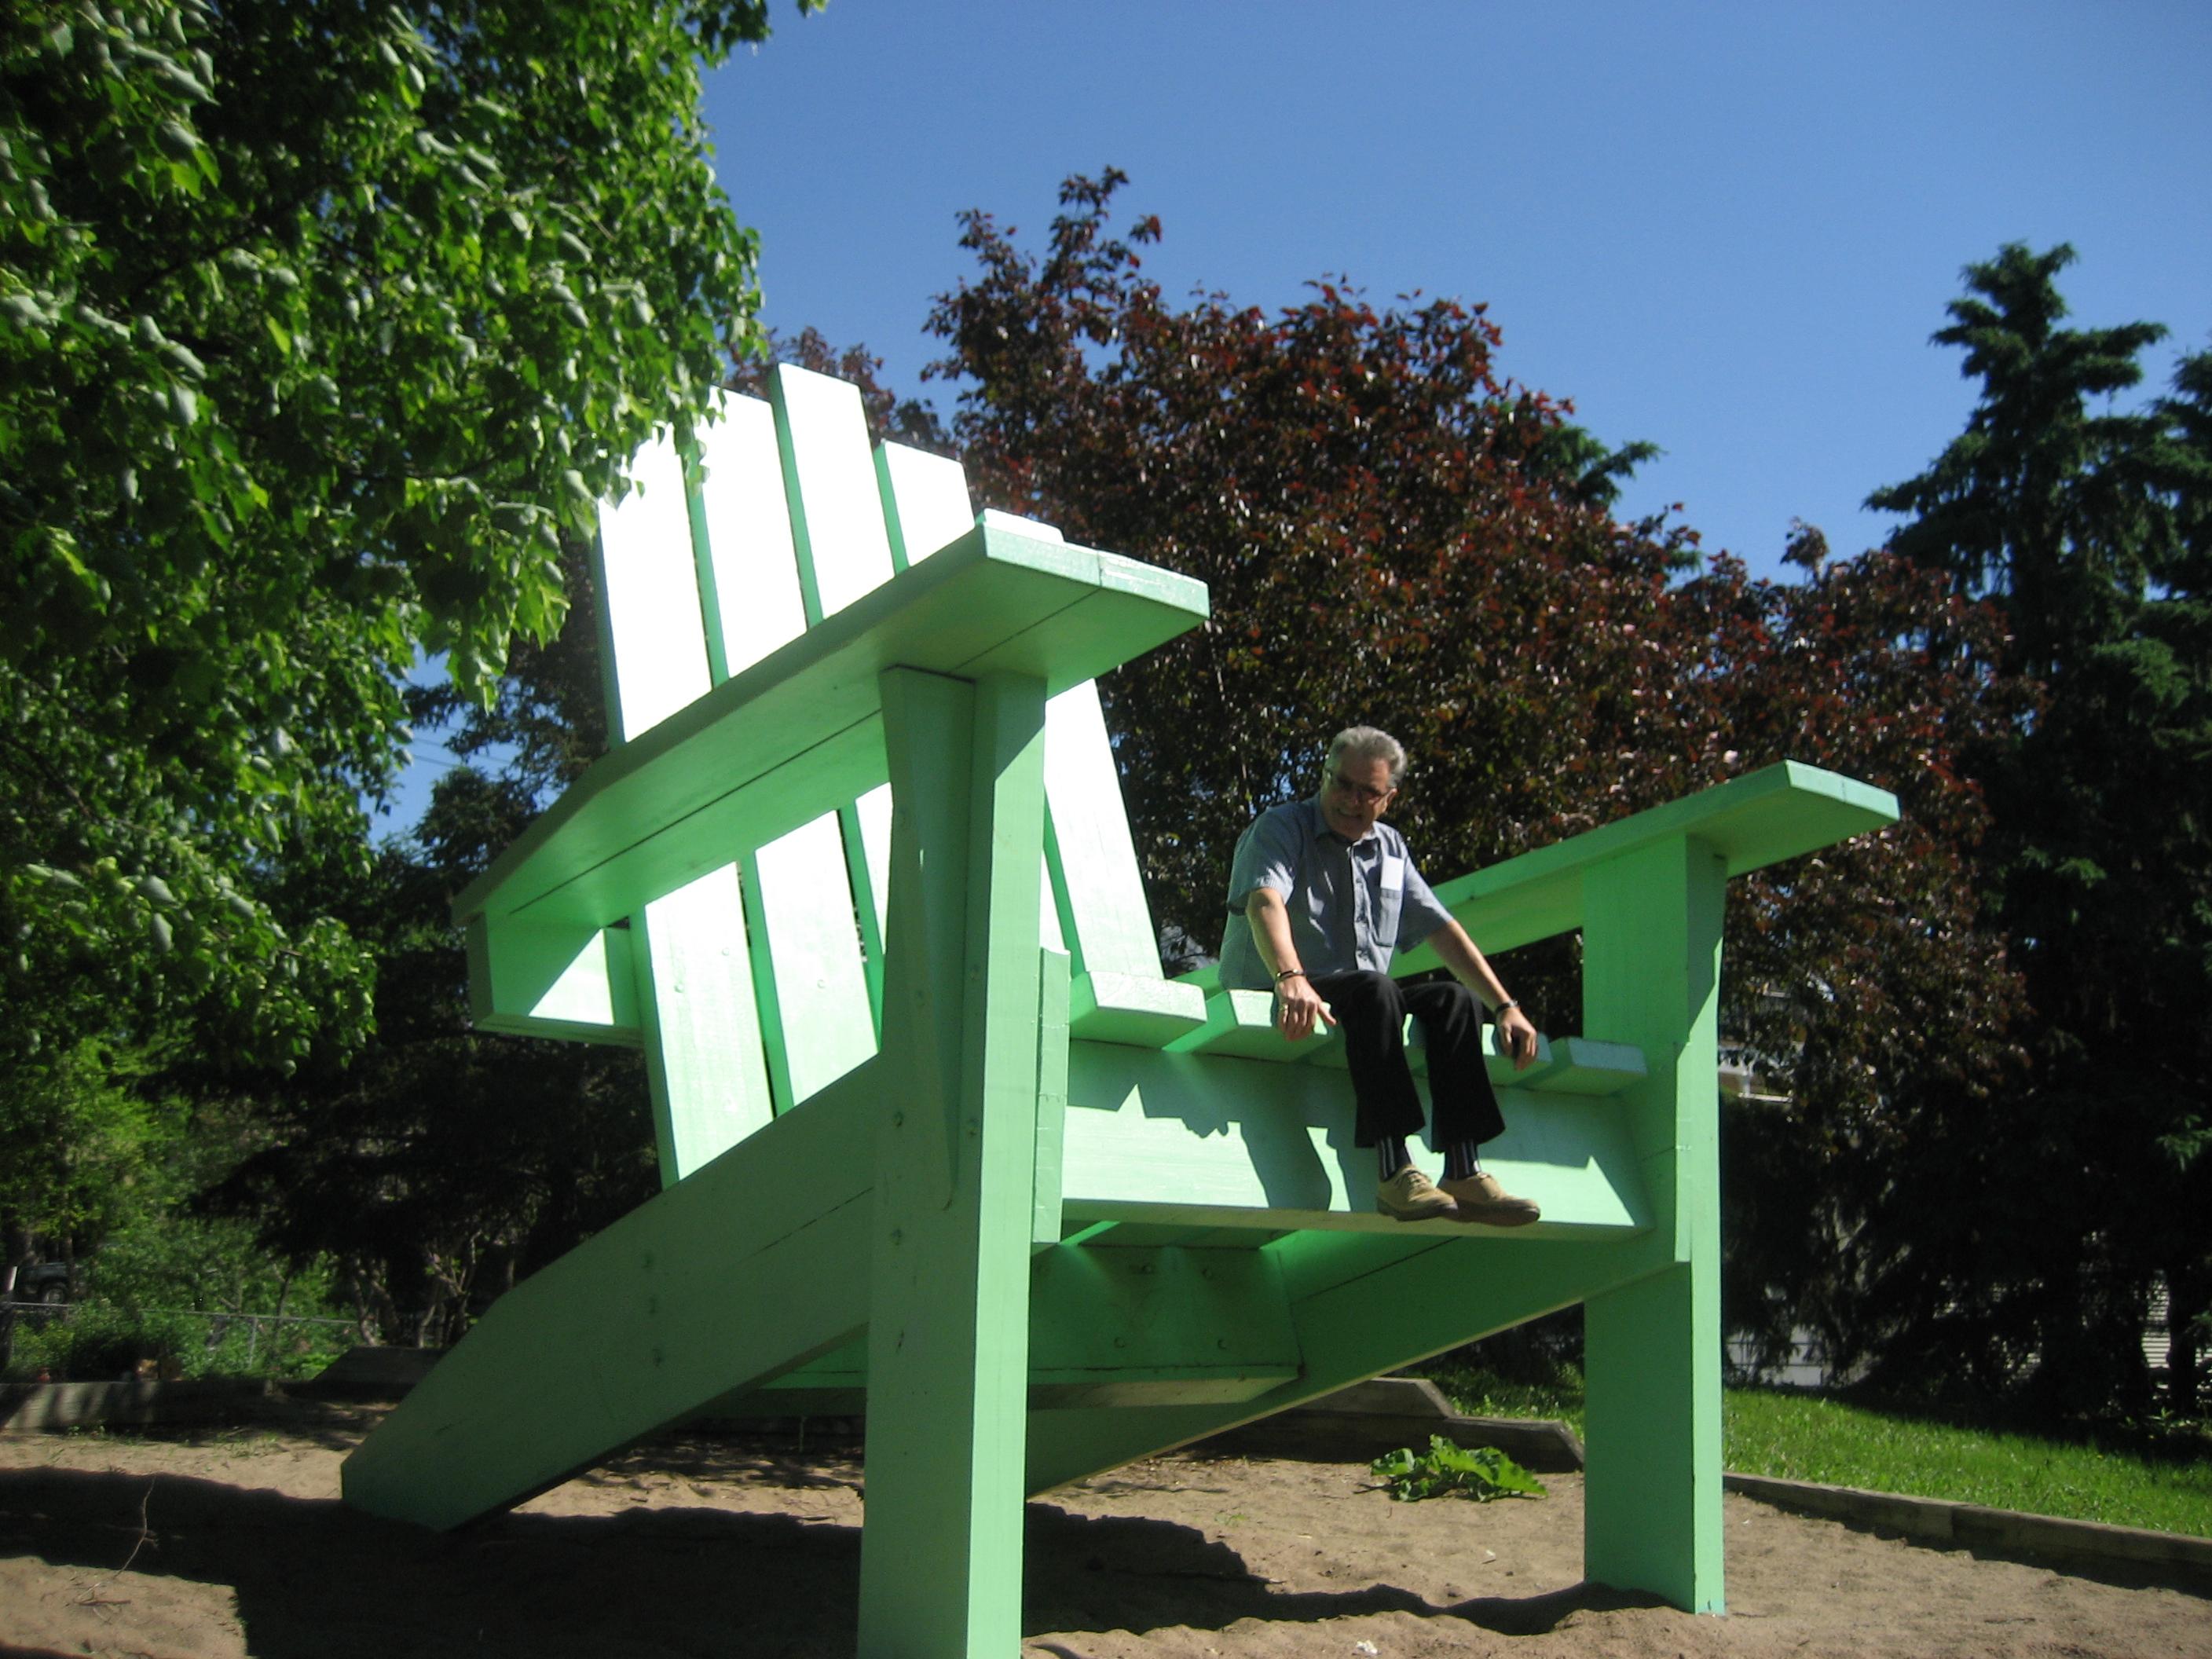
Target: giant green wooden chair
(938,1142)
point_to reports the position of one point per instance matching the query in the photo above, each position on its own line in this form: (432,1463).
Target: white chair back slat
(824,1018)
(753,604)
(1098,888)
(694,990)
(829,483)
(649,589)
(781,531)
(872,816)
(705,1059)
(925,502)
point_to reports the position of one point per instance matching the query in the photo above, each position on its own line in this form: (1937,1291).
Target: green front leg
(948,1334)
(1651,976)
(1652,1514)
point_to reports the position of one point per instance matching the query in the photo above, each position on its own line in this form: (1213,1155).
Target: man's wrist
(1507,1006)
(1290,973)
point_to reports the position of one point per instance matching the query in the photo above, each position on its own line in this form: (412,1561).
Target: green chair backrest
(758,984)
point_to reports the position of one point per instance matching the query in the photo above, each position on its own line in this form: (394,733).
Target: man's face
(1354,794)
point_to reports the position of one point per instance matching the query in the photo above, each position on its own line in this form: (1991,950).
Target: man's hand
(1520,1038)
(1297,1006)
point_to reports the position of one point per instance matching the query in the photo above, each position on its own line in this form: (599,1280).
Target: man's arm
(1472,969)
(1297,1005)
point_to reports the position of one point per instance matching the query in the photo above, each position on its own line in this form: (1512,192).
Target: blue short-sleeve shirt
(1352,904)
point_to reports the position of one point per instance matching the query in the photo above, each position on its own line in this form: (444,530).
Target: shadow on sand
(314,1580)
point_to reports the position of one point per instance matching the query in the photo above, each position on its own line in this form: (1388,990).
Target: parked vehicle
(45,1282)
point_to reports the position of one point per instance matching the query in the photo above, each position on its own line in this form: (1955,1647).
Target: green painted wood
(1652,953)
(749,559)
(1173,1119)
(647,578)
(1360,1305)
(1240,1025)
(801,730)
(1777,812)
(1045,1192)
(695,1007)
(1158,1325)
(822,999)
(817,978)
(1142,1009)
(1581,1066)
(956,1163)
(1199,1139)
(526,984)
(1121,994)
(755,1264)
(705,1061)
(830,483)
(926,504)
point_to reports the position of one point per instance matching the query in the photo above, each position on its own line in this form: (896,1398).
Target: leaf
(1447,1470)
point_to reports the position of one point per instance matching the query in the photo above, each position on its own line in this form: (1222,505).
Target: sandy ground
(234,1543)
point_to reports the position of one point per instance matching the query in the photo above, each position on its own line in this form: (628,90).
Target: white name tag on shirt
(1394,873)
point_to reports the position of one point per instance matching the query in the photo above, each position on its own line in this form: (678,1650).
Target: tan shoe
(1409,1195)
(1480,1198)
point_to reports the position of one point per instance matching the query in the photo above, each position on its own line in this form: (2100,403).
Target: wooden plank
(1581,1066)
(649,596)
(810,734)
(956,1163)
(1651,963)
(749,558)
(822,1000)
(1777,812)
(703,1046)
(1120,995)
(867,828)
(1142,1009)
(1371,1304)
(817,977)
(829,485)
(1196,1140)
(1051,1096)
(1240,1025)
(754,1265)
(926,504)
(527,981)
(704,1061)
(1152,1327)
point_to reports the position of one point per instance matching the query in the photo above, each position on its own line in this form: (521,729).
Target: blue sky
(1729,228)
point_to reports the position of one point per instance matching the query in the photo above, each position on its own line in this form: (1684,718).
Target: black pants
(1370,1012)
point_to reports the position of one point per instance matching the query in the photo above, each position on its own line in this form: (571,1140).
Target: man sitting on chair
(1321,896)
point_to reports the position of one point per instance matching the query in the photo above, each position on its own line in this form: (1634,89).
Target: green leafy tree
(319,324)
(437,1165)
(2084,522)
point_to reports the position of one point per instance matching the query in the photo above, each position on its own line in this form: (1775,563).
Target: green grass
(1811,1437)
(1814,1438)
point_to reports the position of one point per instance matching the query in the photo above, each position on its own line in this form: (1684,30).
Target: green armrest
(801,730)
(1775,813)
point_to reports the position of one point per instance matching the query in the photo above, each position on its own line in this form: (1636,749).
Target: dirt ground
(234,1542)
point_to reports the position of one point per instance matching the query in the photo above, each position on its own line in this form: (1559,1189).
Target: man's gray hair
(1365,742)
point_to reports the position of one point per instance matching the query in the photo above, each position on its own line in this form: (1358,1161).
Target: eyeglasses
(1359,792)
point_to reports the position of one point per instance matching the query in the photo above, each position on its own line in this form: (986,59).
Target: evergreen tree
(2084,522)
